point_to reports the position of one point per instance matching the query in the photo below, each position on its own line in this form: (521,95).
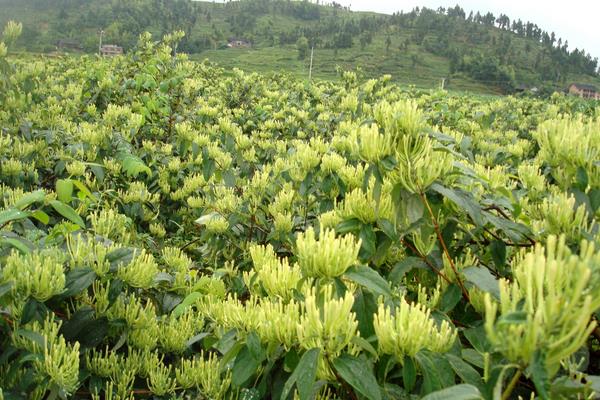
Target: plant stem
(436,227)
(425,260)
(512,384)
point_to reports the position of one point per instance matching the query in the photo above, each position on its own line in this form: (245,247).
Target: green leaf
(255,346)
(188,301)
(581,179)
(466,372)
(365,345)
(539,374)
(349,225)
(34,310)
(18,243)
(83,189)
(368,241)
(513,318)
(388,228)
(84,328)
(11,215)
(483,279)
(244,367)
(514,231)
(6,288)
(464,200)
(303,376)
(35,337)
(478,339)
(437,372)
(450,298)
(473,357)
(133,165)
(41,216)
(404,266)
(409,373)
(414,208)
(498,252)
(78,280)
(458,392)
(365,306)
(370,279)
(68,212)
(64,190)
(30,198)
(594,196)
(121,256)
(359,375)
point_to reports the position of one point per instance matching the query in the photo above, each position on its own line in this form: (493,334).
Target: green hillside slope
(479,52)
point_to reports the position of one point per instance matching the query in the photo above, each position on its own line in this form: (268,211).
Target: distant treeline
(485,47)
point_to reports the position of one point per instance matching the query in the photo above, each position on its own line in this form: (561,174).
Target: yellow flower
(327,257)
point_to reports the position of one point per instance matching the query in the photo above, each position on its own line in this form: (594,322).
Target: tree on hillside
(302,46)
(365,39)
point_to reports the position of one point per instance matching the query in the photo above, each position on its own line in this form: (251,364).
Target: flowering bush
(172,230)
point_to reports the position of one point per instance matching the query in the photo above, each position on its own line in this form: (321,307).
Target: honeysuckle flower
(353,176)
(373,146)
(283,223)
(102,363)
(328,256)
(217,224)
(61,364)
(39,274)
(399,120)
(531,179)
(174,333)
(410,329)
(332,162)
(548,306)
(203,372)
(557,214)
(160,380)
(140,272)
(157,230)
(567,144)
(275,276)
(419,164)
(365,206)
(12,31)
(328,323)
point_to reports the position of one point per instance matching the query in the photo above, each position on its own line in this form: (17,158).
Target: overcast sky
(577,21)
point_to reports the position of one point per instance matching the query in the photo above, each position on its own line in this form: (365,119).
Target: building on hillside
(238,42)
(68,44)
(584,90)
(111,50)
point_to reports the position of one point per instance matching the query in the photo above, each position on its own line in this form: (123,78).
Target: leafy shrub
(171,229)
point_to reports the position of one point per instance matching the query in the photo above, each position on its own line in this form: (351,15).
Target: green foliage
(482,52)
(169,229)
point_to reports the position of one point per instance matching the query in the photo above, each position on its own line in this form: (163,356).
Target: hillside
(480,52)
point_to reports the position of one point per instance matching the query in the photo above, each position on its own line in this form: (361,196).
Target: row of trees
(555,47)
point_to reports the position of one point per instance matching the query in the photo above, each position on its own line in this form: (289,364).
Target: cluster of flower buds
(548,306)
(410,329)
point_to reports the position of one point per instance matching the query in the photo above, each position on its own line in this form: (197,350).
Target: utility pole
(443,83)
(312,50)
(100,43)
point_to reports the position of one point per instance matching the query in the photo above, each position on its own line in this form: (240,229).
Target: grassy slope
(373,61)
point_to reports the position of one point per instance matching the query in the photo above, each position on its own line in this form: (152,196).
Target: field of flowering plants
(172,230)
